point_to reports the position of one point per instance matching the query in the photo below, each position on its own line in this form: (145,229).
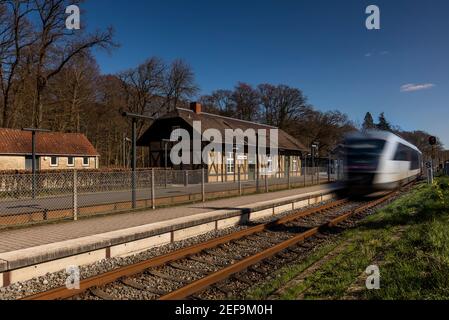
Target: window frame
(88,162)
(71,164)
(230,164)
(54,165)
(295,166)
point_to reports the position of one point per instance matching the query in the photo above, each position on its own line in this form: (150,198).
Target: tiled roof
(18,142)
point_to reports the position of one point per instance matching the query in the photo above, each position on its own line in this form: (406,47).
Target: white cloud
(411,87)
(368,55)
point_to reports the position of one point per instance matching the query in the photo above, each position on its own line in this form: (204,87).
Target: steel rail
(244,264)
(131,270)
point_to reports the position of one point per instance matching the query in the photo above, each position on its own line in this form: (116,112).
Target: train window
(402,153)
(416,160)
(364,154)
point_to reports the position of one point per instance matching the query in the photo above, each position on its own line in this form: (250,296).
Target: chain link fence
(28,198)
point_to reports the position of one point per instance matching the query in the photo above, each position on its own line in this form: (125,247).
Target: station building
(157,140)
(54,151)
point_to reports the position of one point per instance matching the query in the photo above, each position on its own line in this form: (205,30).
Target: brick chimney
(196,107)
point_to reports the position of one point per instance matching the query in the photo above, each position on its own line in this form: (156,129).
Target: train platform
(34,251)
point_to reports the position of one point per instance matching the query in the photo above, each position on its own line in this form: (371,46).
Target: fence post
(133,189)
(75,195)
(240,181)
(203,185)
(166,178)
(305,176)
(153,191)
(186,178)
(266,182)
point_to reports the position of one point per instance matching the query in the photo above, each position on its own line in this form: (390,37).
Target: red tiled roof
(18,142)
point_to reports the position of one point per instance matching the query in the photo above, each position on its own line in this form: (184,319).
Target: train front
(362,159)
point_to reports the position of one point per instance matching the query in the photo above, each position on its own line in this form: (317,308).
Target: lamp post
(33,155)
(315,148)
(166,142)
(134,118)
(257,163)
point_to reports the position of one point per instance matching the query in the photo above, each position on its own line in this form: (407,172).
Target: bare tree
(326,128)
(179,85)
(69,93)
(143,87)
(281,104)
(15,37)
(247,101)
(219,102)
(55,46)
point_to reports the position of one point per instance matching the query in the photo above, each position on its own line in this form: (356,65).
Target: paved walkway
(11,240)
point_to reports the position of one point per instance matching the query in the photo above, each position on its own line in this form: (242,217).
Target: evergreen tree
(383,123)
(368,123)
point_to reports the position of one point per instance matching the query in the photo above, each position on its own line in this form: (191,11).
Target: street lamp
(315,148)
(134,118)
(33,156)
(166,142)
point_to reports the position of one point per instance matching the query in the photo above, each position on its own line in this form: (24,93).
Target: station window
(230,163)
(86,161)
(54,161)
(269,164)
(295,165)
(71,161)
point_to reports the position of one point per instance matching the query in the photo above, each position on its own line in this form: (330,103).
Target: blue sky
(319,46)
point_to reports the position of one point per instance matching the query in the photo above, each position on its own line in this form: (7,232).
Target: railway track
(188,272)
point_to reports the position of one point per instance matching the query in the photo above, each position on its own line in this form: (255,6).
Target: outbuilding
(54,151)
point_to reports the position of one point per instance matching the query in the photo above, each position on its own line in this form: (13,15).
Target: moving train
(379,161)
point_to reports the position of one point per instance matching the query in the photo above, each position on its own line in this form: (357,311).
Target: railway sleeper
(133,284)
(265,238)
(206,262)
(242,279)
(177,266)
(228,256)
(155,291)
(101,294)
(166,277)
(224,289)
(258,270)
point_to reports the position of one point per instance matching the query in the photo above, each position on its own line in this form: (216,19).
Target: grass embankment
(408,240)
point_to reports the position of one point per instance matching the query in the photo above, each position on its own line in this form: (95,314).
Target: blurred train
(379,161)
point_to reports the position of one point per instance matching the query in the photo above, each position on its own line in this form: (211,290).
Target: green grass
(409,237)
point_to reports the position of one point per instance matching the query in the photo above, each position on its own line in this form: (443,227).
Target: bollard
(75,195)
(240,182)
(153,191)
(266,183)
(203,185)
